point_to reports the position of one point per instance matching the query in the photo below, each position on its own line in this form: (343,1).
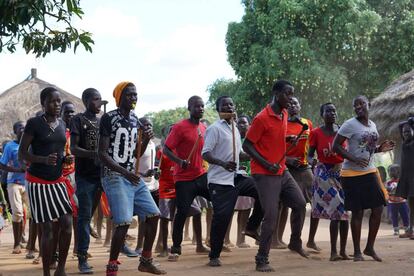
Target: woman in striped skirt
(47,188)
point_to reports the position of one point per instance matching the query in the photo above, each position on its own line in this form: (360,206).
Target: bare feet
(17,250)
(312,245)
(371,252)
(299,250)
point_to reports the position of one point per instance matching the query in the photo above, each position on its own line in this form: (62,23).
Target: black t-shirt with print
(46,141)
(122,132)
(88,132)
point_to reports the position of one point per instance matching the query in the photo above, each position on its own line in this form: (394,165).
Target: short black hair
(360,97)
(279,85)
(219,99)
(192,99)
(322,109)
(46,92)
(249,120)
(65,103)
(16,124)
(87,94)
(143,119)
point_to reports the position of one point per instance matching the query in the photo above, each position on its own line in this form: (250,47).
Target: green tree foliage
(41,26)
(165,118)
(331,50)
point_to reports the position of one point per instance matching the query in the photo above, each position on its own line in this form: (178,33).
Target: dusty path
(398,255)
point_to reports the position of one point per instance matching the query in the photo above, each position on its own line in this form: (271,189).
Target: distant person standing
(398,205)
(10,163)
(405,186)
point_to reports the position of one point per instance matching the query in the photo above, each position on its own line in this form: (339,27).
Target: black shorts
(362,192)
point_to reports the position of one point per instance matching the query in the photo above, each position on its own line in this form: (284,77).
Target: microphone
(297,120)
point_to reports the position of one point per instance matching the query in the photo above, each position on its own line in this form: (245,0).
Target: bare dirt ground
(398,255)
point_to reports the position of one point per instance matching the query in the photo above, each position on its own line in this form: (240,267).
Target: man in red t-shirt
(266,143)
(183,146)
(296,161)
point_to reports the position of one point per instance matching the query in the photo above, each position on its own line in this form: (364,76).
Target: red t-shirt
(301,149)
(323,145)
(181,140)
(166,181)
(268,134)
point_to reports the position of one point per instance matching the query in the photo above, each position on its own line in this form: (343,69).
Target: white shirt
(146,162)
(219,142)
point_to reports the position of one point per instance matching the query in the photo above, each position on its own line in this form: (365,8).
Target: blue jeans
(86,191)
(127,200)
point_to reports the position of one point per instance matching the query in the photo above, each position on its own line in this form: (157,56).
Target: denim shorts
(127,200)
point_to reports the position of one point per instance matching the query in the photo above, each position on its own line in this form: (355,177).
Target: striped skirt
(48,200)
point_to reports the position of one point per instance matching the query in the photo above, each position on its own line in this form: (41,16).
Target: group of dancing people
(278,160)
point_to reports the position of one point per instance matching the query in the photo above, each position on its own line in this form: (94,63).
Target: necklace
(93,124)
(52,125)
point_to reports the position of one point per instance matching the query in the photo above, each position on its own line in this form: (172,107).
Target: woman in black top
(48,195)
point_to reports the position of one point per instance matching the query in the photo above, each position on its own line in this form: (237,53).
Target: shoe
(128,252)
(262,264)
(214,262)
(112,268)
(146,265)
(252,234)
(226,249)
(30,255)
(173,257)
(83,266)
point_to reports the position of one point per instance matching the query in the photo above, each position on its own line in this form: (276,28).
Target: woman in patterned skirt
(47,188)
(328,196)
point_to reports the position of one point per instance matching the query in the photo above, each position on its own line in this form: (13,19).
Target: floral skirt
(327,193)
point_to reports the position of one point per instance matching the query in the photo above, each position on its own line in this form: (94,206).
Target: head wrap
(118,91)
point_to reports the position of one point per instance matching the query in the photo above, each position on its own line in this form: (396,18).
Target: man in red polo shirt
(183,146)
(266,143)
(296,161)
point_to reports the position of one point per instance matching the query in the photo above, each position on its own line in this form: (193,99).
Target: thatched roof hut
(22,101)
(392,106)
